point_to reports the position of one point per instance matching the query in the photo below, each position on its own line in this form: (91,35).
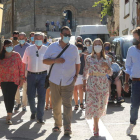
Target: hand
(75,78)
(25,79)
(117,78)
(21,82)
(105,65)
(59,60)
(126,87)
(84,88)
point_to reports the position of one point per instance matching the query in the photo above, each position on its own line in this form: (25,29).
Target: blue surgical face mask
(21,42)
(80,51)
(66,39)
(38,42)
(107,48)
(9,49)
(32,38)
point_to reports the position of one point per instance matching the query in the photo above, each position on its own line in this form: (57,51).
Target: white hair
(79,37)
(22,33)
(39,34)
(87,40)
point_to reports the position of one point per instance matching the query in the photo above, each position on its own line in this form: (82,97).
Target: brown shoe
(67,131)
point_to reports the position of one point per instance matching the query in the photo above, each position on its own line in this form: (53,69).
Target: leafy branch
(107,7)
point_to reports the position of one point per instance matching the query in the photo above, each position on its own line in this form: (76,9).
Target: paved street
(110,129)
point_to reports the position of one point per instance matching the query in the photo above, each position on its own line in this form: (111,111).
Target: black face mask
(45,40)
(15,38)
(135,42)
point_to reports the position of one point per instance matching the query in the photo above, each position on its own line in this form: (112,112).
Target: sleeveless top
(82,59)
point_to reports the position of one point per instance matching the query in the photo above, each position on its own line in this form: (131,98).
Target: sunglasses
(37,54)
(67,35)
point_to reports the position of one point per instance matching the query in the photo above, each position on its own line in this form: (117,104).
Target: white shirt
(63,73)
(35,64)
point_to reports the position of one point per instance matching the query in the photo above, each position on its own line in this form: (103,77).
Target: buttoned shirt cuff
(127,71)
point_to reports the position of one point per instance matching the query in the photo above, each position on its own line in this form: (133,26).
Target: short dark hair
(79,45)
(16,32)
(65,28)
(137,30)
(2,53)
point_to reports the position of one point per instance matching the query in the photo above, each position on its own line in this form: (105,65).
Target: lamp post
(1,15)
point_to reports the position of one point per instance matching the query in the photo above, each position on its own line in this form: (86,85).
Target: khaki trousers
(24,95)
(62,95)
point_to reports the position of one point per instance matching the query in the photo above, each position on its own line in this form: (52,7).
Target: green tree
(107,7)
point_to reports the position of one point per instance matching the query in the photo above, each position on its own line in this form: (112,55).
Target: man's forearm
(127,77)
(49,61)
(77,69)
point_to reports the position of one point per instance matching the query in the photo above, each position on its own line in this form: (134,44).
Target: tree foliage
(107,7)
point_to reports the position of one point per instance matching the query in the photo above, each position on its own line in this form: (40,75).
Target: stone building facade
(31,15)
(138,13)
(113,21)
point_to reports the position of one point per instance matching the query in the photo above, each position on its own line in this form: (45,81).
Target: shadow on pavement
(97,138)
(114,108)
(128,100)
(1,99)
(48,114)
(65,138)
(133,137)
(53,136)
(77,116)
(23,131)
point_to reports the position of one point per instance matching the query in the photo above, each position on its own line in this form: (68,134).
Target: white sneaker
(130,129)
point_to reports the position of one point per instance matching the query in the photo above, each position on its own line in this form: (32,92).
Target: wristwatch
(126,83)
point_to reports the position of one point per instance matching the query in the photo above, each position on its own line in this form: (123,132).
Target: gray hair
(39,34)
(22,33)
(87,40)
(79,37)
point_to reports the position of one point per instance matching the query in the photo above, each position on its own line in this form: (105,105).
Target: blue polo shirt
(21,49)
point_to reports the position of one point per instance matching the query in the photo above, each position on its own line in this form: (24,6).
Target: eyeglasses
(37,54)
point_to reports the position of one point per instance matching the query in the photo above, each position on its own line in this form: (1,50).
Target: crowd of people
(86,67)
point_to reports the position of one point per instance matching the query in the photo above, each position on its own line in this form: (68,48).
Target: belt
(37,72)
(135,79)
(97,74)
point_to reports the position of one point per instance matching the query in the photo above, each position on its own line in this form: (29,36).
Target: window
(126,8)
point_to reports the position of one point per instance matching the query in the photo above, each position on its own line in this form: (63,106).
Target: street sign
(1,15)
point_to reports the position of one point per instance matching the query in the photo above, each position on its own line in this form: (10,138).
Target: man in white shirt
(63,76)
(37,72)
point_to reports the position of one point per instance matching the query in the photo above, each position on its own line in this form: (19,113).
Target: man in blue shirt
(133,72)
(20,48)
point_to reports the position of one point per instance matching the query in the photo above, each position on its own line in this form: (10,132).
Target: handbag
(47,85)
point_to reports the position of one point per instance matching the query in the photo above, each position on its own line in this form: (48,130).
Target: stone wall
(31,15)
(113,21)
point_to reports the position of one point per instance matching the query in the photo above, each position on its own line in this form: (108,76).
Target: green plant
(107,7)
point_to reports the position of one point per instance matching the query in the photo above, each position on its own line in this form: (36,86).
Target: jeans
(135,102)
(36,82)
(9,91)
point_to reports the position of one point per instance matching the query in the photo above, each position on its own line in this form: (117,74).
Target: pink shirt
(11,69)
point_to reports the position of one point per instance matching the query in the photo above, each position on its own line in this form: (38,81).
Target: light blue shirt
(46,44)
(63,73)
(115,67)
(133,62)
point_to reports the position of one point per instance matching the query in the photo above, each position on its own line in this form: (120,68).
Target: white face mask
(98,48)
(87,43)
